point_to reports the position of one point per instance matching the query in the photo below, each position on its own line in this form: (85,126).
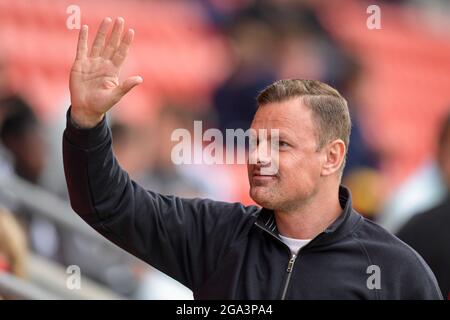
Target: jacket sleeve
(184,238)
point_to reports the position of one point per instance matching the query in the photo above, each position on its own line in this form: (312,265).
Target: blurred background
(206,60)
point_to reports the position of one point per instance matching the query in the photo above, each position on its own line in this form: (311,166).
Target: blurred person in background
(253,44)
(13,245)
(361,174)
(422,190)
(429,232)
(22,136)
(366,185)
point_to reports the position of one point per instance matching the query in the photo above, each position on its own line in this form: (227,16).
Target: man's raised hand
(94,78)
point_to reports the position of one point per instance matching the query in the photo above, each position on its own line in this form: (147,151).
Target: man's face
(299,162)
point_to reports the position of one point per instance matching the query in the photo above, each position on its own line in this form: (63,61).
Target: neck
(310,218)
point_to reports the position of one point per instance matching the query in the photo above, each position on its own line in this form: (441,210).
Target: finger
(121,53)
(100,37)
(128,84)
(82,47)
(114,39)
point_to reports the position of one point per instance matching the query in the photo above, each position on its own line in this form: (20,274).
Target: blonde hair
(13,243)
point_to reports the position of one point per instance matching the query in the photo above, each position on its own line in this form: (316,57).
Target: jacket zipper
(290,266)
(291,262)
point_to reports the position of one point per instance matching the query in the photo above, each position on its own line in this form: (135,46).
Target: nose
(261,154)
(263,159)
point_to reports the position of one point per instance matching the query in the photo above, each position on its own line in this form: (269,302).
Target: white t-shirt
(294,244)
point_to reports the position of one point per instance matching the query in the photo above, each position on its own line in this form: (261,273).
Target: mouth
(262,178)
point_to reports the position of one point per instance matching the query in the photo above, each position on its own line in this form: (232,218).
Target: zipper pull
(291,263)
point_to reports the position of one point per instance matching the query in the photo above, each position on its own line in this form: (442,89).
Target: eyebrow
(284,135)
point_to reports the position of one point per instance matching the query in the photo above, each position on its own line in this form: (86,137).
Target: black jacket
(230,251)
(429,234)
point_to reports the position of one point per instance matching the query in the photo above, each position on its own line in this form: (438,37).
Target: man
(227,250)
(428,232)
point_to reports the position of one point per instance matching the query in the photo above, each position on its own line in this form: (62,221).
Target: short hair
(331,116)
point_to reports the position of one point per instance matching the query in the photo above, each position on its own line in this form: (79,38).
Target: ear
(334,157)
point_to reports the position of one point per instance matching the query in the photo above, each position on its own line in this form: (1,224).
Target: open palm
(94,78)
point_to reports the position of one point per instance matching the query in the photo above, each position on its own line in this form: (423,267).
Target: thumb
(129,84)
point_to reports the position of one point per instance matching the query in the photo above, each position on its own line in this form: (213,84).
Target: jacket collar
(341,227)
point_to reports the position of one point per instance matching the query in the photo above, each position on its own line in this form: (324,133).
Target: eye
(283,144)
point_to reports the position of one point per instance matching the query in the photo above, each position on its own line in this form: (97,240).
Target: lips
(258,177)
(258,173)
(265,177)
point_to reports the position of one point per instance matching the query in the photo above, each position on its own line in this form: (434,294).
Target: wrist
(83,120)
(85,138)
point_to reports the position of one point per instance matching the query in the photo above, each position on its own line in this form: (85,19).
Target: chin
(263,198)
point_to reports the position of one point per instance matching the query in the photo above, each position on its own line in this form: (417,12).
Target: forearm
(78,149)
(102,193)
